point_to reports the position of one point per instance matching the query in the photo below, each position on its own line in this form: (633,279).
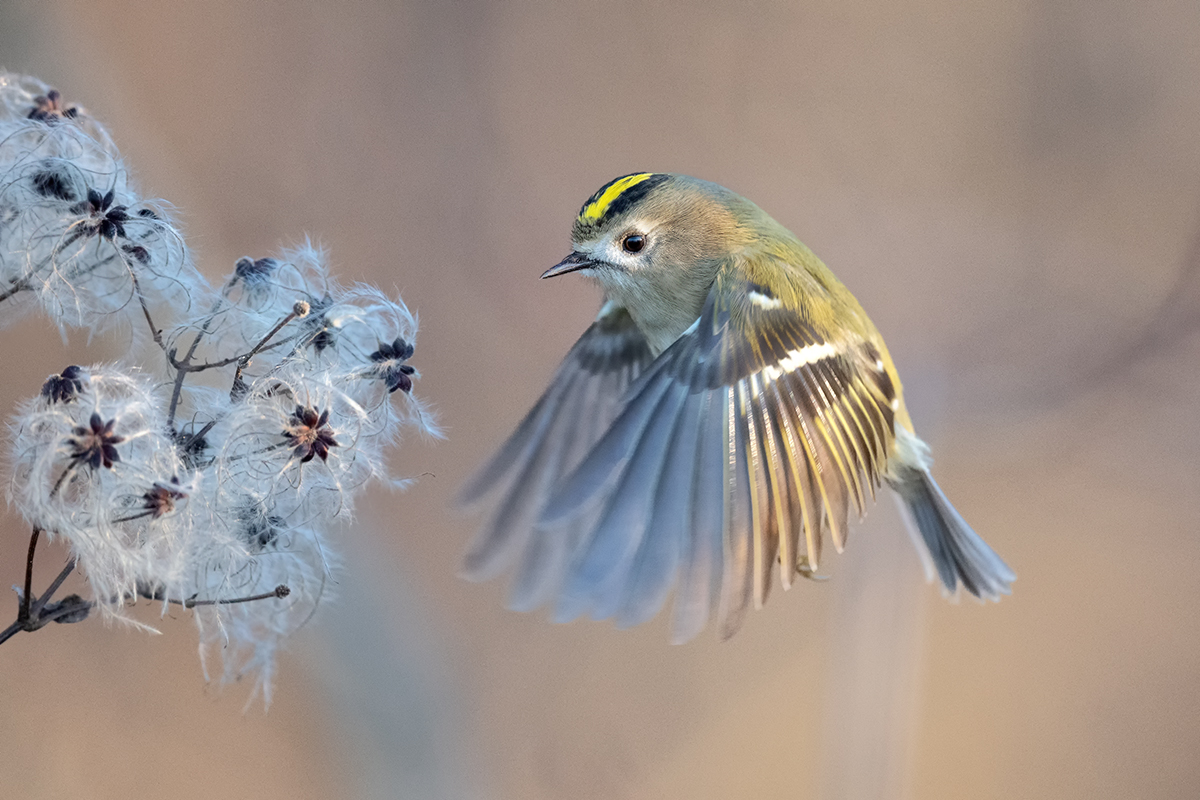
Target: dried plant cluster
(210,474)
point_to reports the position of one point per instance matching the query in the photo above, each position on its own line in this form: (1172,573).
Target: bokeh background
(1011,189)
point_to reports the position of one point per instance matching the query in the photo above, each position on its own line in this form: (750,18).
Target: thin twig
(19,286)
(185,367)
(11,631)
(244,362)
(279,591)
(180,374)
(27,599)
(244,357)
(49,593)
(154,331)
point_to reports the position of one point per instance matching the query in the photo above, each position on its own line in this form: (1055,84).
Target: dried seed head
(390,367)
(162,497)
(49,107)
(64,387)
(95,444)
(255,271)
(52,182)
(308,434)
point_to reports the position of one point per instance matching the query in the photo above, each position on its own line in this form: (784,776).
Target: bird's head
(654,242)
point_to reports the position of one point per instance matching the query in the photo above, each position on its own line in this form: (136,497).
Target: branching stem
(154,330)
(244,361)
(36,611)
(180,373)
(35,614)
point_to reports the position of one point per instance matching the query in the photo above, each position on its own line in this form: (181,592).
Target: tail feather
(959,555)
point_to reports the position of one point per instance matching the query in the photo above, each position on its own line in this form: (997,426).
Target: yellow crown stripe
(594,210)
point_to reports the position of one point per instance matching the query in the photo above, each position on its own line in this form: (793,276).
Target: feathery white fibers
(215,470)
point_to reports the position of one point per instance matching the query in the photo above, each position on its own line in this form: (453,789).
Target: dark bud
(322,305)
(260,530)
(95,444)
(325,338)
(161,499)
(322,335)
(78,609)
(136,251)
(112,224)
(146,213)
(254,271)
(191,448)
(401,380)
(390,367)
(51,183)
(49,108)
(63,388)
(309,435)
(106,220)
(400,350)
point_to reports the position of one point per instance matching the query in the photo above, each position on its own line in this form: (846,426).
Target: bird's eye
(633,243)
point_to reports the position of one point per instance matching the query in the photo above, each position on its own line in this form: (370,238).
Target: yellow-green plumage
(732,403)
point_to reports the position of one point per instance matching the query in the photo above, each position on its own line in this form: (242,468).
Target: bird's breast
(661,311)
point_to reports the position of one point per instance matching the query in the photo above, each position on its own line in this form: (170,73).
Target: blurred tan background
(1012,191)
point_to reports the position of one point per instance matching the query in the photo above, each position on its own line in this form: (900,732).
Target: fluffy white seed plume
(75,237)
(210,475)
(88,459)
(293,436)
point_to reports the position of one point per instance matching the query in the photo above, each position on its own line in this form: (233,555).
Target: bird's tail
(946,541)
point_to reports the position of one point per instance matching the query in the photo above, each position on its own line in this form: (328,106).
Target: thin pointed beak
(573,262)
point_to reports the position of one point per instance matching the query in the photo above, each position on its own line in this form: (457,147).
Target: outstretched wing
(581,402)
(740,445)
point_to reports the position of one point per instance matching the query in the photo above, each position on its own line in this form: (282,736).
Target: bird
(730,406)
